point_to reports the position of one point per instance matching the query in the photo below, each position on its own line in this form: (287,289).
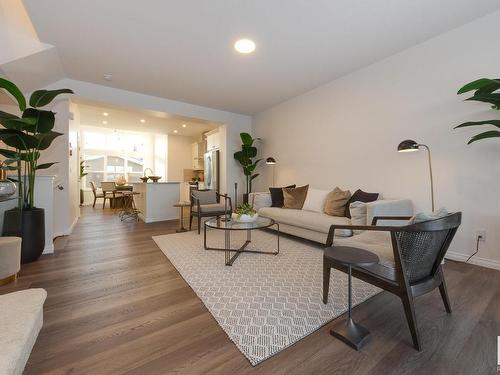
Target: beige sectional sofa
(314,225)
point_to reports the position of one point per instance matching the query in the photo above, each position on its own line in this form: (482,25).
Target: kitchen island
(156,200)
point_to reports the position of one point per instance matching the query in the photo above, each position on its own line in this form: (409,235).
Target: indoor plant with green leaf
(485,90)
(245,213)
(245,158)
(27,136)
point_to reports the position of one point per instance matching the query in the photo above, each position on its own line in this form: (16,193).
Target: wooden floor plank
(116,305)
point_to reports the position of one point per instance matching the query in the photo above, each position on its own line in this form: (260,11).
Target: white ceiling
(183,50)
(91,114)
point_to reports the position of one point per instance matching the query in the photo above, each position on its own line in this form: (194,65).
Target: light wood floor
(116,305)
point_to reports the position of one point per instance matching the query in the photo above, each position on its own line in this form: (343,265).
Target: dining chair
(109,191)
(96,192)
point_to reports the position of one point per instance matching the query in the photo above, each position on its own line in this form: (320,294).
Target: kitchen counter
(156,200)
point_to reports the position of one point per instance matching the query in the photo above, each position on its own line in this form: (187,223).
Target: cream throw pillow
(336,200)
(358,214)
(315,200)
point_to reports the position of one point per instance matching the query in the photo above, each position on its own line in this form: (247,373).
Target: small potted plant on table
(245,213)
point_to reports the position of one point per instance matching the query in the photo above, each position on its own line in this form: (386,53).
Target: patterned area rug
(264,303)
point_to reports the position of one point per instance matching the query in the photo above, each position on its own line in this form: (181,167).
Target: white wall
(233,123)
(346,133)
(179,156)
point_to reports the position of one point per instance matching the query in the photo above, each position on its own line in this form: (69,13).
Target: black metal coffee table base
(352,334)
(229,259)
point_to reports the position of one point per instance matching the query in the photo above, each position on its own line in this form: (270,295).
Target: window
(109,154)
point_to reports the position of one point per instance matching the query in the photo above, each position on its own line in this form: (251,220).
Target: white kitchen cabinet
(213,141)
(197,151)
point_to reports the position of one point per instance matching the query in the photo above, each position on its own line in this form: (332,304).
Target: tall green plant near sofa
(484,91)
(245,158)
(27,136)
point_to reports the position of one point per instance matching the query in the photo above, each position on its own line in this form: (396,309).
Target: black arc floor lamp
(409,145)
(271,161)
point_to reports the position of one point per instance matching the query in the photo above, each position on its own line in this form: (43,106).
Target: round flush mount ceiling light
(142,120)
(105,114)
(184,125)
(244,46)
(104,122)
(176,131)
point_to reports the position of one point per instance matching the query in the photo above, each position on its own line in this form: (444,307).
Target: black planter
(81,197)
(245,198)
(30,226)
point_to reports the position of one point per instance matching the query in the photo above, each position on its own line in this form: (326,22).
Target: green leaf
(487,98)
(7,153)
(40,98)
(18,139)
(8,168)
(45,165)
(474,123)
(246,139)
(488,134)
(46,139)
(480,84)
(19,123)
(249,151)
(13,90)
(254,176)
(44,120)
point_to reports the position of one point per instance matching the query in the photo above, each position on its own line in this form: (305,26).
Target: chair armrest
(377,218)
(331,232)
(226,198)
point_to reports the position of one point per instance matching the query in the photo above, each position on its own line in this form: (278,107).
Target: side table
(353,334)
(181,205)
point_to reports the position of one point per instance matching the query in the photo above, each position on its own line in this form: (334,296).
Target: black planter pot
(245,198)
(30,226)
(81,197)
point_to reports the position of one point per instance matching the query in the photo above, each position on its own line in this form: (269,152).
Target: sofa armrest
(259,200)
(391,208)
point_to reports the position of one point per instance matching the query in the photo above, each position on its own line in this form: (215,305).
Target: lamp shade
(270,161)
(408,145)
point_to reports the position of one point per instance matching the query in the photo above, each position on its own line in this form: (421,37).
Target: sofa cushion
(277,195)
(360,196)
(358,214)
(295,197)
(315,200)
(315,221)
(21,318)
(336,201)
(378,242)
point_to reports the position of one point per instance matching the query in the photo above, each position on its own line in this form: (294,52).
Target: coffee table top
(351,256)
(260,223)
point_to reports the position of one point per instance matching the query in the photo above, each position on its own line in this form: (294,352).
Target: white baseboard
(49,249)
(478,261)
(68,231)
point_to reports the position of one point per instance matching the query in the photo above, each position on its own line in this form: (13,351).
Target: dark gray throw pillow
(360,196)
(277,195)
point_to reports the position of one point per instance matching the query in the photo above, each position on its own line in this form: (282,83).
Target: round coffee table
(353,334)
(233,225)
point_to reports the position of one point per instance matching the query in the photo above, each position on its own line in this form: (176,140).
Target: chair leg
(326,280)
(444,296)
(190,221)
(103,202)
(95,198)
(409,307)
(199,224)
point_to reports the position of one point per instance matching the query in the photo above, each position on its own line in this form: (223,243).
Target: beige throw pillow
(336,201)
(295,197)
(358,214)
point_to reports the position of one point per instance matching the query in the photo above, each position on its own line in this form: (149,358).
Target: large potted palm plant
(245,158)
(485,90)
(26,136)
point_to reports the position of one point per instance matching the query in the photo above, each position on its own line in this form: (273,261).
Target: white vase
(245,218)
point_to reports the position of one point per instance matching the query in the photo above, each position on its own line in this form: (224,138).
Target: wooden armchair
(418,252)
(206,203)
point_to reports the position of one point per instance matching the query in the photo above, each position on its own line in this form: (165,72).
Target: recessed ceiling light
(104,122)
(244,46)
(184,125)
(176,131)
(105,114)
(142,120)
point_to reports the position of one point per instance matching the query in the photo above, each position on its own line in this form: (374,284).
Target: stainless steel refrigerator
(211,171)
